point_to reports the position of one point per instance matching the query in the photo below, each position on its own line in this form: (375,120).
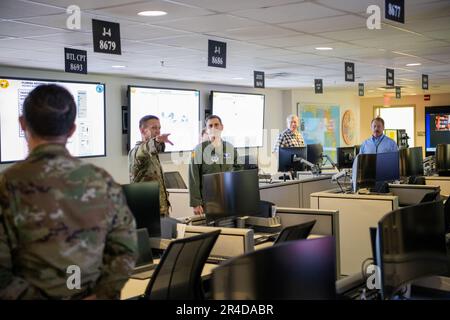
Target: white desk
(357,213)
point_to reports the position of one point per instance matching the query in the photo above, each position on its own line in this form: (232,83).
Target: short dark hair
(379,119)
(49,111)
(144,119)
(213,116)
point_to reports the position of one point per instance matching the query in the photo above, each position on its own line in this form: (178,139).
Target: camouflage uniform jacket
(57,212)
(144,165)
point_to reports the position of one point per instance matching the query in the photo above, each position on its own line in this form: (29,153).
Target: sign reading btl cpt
(75,60)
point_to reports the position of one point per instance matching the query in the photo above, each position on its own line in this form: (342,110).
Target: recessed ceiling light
(413,64)
(118,67)
(152,13)
(238,78)
(324,48)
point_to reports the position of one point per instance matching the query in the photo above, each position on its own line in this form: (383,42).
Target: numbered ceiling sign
(361,89)
(318,86)
(349,71)
(425,82)
(217,54)
(258,79)
(75,60)
(106,36)
(398,93)
(390,77)
(395,10)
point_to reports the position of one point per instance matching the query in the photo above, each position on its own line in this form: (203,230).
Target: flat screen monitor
(345,157)
(364,171)
(177,109)
(286,159)
(314,153)
(89,137)
(297,270)
(143,201)
(437,127)
(387,167)
(411,245)
(231,194)
(242,115)
(443,159)
(411,162)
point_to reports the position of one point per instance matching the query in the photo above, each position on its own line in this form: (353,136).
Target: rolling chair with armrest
(178,274)
(295,232)
(430,196)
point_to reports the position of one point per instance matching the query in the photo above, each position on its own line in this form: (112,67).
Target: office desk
(357,213)
(136,287)
(410,194)
(443,182)
(292,194)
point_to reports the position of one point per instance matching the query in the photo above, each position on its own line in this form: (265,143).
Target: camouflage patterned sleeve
(120,251)
(11,286)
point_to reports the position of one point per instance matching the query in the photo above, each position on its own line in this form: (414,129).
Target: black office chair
(430,196)
(143,201)
(304,269)
(178,274)
(295,232)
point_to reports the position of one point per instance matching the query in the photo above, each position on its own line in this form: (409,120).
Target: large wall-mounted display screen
(242,115)
(177,109)
(89,137)
(437,127)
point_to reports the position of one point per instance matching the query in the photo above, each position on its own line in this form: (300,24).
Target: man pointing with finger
(143,159)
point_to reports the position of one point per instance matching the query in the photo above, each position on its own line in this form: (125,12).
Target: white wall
(116,161)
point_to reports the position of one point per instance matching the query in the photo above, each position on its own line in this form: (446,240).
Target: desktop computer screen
(364,171)
(443,159)
(231,194)
(143,201)
(411,245)
(286,159)
(345,157)
(411,162)
(314,153)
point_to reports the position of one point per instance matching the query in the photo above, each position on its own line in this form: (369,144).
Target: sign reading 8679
(106,36)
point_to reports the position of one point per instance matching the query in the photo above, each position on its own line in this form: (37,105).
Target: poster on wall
(320,123)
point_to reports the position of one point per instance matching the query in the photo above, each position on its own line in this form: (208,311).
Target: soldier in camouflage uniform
(211,156)
(143,159)
(57,212)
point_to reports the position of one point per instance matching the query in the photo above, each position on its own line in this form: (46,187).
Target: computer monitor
(174,180)
(314,153)
(443,159)
(230,194)
(411,245)
(345,157)
(143,201)
(411,162)
(286,159)
(387,167)
(297,270)
(364,171)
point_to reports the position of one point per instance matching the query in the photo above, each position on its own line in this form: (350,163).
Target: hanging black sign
(106,36)
(390,77)
(395,10)
(361,89)
(350,71)
(425,82)
(398,93)
(75,60)
(258,79)
(217,54)
(318,86)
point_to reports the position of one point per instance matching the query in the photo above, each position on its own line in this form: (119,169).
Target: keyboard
(216,259)
(265,238)
(144,268)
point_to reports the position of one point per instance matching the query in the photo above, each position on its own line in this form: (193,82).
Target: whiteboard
(242,116)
